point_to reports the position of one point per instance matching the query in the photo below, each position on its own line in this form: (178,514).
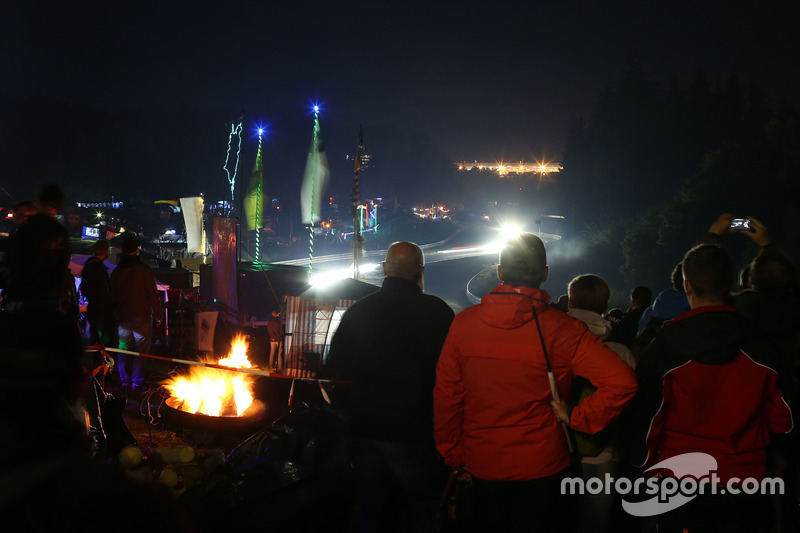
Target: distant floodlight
(325,278)
(507,232)
(316,109)
(260,131)
(368,267)
(510,231)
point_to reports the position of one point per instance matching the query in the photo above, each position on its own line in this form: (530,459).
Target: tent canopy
(343,289)
(312,316)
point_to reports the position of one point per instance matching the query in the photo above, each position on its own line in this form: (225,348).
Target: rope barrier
(103,349)
(324,393)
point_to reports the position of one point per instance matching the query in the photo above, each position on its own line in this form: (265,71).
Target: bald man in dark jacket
(388,344)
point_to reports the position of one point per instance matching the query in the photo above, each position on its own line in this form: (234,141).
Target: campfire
(214,391)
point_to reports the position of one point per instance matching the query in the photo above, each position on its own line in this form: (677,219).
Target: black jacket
(95,286)
(388,344)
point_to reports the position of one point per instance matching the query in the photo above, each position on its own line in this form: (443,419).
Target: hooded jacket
(492,395)
(706,384)
(602,328)
(668,304)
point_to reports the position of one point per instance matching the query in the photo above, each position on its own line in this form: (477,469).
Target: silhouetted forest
(651,169)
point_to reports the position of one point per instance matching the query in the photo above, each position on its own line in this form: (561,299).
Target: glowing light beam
(236,131)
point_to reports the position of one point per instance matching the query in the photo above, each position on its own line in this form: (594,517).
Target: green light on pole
(313,194)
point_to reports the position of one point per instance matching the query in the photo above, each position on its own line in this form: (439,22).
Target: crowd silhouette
(457,422)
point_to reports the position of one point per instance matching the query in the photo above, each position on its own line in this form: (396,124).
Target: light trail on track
(434,253)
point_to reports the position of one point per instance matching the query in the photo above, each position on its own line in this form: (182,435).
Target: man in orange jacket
(495,415)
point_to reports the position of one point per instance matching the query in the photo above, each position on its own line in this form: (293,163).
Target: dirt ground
(151,422)
(151,432)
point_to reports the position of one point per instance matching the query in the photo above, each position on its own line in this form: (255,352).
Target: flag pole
(313,194)
(259,199)
(253,199)
(314,183)
(356,201)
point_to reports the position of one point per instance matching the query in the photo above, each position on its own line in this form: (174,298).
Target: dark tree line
(652,168)
(760,180)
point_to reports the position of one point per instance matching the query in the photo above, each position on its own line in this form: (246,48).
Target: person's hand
(561,411)
(722,225)
(759,234)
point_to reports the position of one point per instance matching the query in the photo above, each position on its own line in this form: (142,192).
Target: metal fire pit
(238,425)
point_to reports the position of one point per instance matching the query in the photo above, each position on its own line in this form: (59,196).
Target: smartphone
(739,224)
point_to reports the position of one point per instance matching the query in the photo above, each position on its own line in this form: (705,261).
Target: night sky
(468,80)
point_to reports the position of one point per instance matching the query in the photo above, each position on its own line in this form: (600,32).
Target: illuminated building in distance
(503,169)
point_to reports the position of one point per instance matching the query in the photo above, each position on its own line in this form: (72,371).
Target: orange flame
(215,391)
(238,356)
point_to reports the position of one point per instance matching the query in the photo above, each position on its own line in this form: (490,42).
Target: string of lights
(236,131)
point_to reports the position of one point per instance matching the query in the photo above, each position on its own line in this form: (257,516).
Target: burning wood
(216,391)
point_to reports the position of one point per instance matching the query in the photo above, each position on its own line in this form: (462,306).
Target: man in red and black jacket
(709,384)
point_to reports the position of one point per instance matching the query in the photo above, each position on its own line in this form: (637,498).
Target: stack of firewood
(176,467)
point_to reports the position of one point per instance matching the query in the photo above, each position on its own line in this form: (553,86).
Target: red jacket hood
(509,306)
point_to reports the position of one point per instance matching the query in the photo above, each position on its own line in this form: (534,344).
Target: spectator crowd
(485,420)
(532,397)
